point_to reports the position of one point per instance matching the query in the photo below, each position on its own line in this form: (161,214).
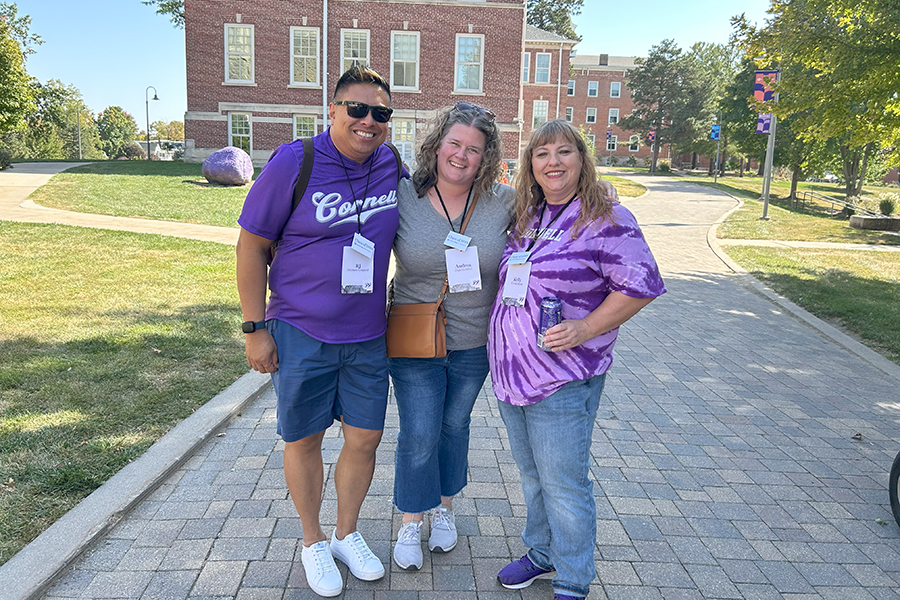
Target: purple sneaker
(520,573)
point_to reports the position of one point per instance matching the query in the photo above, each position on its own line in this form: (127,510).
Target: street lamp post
(770,156)
(80,106)
(147,113)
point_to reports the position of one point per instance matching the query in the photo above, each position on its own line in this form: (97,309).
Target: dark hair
(596,199)
(425,175)
(360,74)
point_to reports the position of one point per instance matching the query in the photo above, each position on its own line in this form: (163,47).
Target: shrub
(5,158)
(134,152)
(631,162)
(178,154)
(613,161)
(888,203)
(663,166)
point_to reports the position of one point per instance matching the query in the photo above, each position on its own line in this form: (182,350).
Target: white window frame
(349,59)
(406,147)
(457,64)
(592,88)
(397,86)
(590,116)
(613,118)
(592,139)
(231,135)
(315,58)
(534,112)
(526,63)
(296,117)
(570,114)
(634,143)
(539,70)
(252,53)
(611,143)
(615,89)
(570,88)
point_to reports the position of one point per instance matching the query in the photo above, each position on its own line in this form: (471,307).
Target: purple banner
(763,122)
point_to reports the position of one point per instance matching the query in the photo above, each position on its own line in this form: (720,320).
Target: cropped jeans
(551,444)
(434,397)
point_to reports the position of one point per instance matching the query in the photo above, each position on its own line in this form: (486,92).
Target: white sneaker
(353,552)
(408,549)
(322,574)
(443,530)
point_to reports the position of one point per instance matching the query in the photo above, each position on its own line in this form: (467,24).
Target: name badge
(457,240)
(363,246)
(463,272)
(518,258)
(357,272)
(515,288)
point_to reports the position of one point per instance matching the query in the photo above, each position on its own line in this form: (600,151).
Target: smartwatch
(251,326)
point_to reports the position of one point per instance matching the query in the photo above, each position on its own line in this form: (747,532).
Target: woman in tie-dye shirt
(574,241)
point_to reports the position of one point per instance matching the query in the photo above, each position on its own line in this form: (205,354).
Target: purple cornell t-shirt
(610,256)
(305,276)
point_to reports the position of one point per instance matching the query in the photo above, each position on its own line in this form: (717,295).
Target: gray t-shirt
(421,266)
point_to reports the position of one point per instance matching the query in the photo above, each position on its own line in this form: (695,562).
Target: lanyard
(444,206)
(541,231)
(356,202)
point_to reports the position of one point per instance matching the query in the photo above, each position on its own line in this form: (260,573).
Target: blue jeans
(551,444)
(435,397)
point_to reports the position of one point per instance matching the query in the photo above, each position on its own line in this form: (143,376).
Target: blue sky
(112,50)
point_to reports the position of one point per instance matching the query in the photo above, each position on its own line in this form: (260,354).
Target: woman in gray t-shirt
(458,160)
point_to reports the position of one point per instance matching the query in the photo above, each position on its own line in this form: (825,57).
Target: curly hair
(596,202)
(425,175)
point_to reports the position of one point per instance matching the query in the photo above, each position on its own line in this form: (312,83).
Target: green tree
(555,16)
(173,8)
(671,95)
(16,91)
(19,28)
(117,130)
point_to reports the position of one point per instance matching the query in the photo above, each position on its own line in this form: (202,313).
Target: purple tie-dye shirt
(610,256)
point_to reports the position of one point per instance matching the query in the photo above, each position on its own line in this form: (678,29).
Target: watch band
(251,326)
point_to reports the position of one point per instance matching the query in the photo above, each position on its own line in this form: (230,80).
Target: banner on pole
(763,122)
(609,134)
(763,92)
(652,135)
(714,134)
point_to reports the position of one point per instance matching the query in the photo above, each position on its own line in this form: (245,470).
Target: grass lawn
(109,339)
(855,289)
(167,191)
(625,187)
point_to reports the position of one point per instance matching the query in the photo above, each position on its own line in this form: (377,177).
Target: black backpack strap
(399,160)
(305,171)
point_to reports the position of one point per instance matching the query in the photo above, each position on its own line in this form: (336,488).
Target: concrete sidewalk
(726,457)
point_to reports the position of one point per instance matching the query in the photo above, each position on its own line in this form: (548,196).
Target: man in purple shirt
(322,334)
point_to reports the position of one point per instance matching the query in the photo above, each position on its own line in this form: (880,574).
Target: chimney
(604,60)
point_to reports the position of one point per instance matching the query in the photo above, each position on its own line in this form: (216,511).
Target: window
(354,48)
(590,138)
(592,89)
(591,116)
(569,111)
(542,68)
(526,61)
(615,89)
(405,60)
(403,133)
(304,56)
(239,131)
(469,62)
(239,53)
(539,112)
(304,126)
(611,143)
(570,91)
(613,116)
(634,143)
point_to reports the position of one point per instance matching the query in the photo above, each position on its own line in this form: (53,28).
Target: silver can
(551,314)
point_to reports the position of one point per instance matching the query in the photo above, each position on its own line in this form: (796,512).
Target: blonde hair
(596,204)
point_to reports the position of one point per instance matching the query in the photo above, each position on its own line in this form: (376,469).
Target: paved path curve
(739,453)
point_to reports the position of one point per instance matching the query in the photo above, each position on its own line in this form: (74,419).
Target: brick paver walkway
(724,453)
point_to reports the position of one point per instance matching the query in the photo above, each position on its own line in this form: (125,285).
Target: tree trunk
(712,164)
(862,170)
(795,177)
(741,170)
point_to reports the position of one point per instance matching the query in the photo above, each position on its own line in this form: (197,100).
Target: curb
(30,571)
(828,331)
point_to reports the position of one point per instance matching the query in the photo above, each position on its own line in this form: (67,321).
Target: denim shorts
(317,383)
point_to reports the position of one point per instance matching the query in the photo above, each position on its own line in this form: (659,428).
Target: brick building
(261,73)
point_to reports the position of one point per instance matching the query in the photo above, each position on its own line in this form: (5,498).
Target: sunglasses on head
(358,110)
(485,112)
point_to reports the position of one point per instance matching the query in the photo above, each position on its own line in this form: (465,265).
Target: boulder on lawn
(228,166)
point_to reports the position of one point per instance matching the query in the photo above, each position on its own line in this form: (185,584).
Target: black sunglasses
(358,110)
(485,112)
